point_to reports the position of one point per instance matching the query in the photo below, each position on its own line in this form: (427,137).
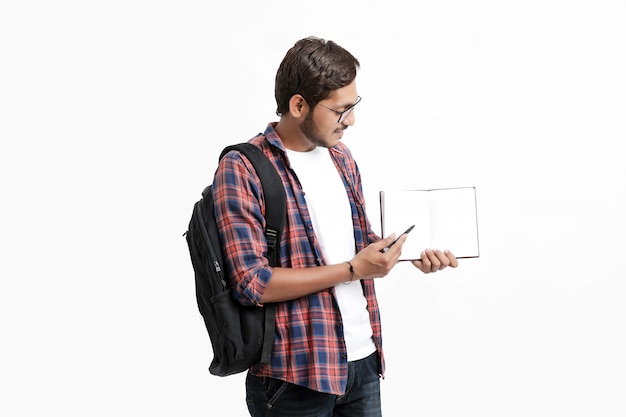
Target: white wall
(112,115)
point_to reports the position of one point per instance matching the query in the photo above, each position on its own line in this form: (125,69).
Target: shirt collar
(272,137)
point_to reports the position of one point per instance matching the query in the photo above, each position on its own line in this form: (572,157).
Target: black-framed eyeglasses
(343,114)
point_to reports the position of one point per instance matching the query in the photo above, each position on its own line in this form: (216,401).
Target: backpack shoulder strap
(275,212)
(274,192)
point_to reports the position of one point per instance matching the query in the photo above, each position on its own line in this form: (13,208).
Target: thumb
(383,243)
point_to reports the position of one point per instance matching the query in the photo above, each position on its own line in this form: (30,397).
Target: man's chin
(334,140)
(328,141)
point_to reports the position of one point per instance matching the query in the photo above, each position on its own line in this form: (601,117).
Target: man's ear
(298,107)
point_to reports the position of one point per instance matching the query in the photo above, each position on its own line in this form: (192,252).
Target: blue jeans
(268,397)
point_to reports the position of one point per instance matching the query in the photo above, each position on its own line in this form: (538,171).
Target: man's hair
(313,68)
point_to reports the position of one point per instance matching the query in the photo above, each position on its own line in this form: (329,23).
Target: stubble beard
(311,132)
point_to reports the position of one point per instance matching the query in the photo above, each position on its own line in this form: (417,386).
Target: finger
(399,243)
(417,263)
(435,263)
(425,263)
(390,238)
(383,244)
(396,250)
(453,261)
(442,258)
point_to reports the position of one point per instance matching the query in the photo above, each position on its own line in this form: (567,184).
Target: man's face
(321,126)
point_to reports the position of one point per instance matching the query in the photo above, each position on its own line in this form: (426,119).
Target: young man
(327,355)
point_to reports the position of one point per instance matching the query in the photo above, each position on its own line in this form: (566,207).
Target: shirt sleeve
(239,211)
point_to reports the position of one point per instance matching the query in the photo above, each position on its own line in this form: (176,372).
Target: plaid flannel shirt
(309,348)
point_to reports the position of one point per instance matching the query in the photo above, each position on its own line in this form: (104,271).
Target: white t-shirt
(331,215)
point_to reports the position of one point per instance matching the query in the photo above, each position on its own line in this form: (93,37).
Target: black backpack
(240,335)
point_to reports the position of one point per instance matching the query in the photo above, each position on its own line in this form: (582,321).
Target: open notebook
(444,218)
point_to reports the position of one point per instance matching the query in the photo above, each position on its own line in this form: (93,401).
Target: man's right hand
(371,262)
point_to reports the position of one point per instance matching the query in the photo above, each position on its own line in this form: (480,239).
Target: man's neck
(291,136)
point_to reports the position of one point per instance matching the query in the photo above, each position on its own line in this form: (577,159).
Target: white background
(112,115)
